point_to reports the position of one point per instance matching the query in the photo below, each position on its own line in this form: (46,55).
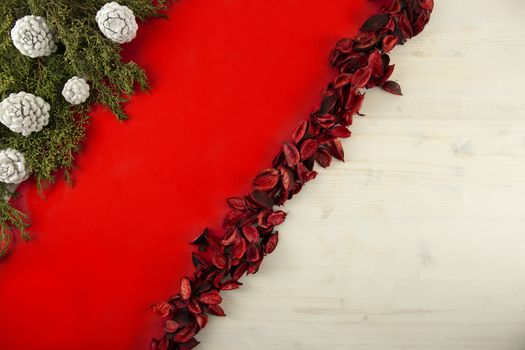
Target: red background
(230,81)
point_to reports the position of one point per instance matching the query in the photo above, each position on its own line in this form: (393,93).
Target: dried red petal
(375,22)
(216,310)
(219,261)
(271,244)
(239,271)
(262,199)
(375,63)
(308,148)
(392,87)
(210,298)
(276,218)
(287,177)
(193,306)
(389,42)
(304,174)
(239,247)
(250,233)
(336,150)
(202,320)
(161,344)
(229,237)
(323,158)
(361,77)
(185,288)
(300,132)
(162,309)
(171,326)
(201,238)
(427,4)
(186,333)
(342,80)
(237,203)
(344,45)
(388,73)
(252,254)
(190,344)
(291,154)
(231,285)
(266,180)
(328,104)
(341,132)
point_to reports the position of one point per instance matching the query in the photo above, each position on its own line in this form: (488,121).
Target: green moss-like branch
(83,51)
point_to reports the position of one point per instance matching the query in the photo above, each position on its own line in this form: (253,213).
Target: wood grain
(418,241)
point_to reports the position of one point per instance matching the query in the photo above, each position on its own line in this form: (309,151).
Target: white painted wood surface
(418,242)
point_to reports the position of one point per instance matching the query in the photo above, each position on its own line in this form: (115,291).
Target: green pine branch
(83,51)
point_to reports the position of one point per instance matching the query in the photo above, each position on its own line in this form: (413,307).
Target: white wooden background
(418,242)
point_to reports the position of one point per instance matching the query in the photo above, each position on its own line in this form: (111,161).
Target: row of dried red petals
(249,227)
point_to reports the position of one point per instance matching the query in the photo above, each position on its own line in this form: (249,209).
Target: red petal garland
(249,235)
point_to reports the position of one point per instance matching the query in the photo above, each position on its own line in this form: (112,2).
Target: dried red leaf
(201,239)
(304,174)
(427,4)
(250,233)
(323,158)
(266,180)
(392,87)
(308,148)
(162,309)
(388,73)
(216,310)
(219,261)
(291,154)
(375,63)
(190,344)
(389,42)
(336,150)
(276,218)
(375,22)
(328,104)
(262,199)
(341,132)
(342,80)
(253,254)
(193,306)
(239,271)
(287,177)
(229,236)
(300,131)
(198,261)
(344,45)
(210,298)
(231,285)
(237,203)
(202,320)
(361,77)
(171,326)
(185,288)
(271,244)
(161,344)
(239,247)
(186,333)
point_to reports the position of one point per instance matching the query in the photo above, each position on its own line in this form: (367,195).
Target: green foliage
(83,51)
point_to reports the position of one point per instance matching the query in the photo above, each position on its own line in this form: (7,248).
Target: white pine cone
(13,168)
(76,91)
(32,37)
(24,113)
(117,22)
